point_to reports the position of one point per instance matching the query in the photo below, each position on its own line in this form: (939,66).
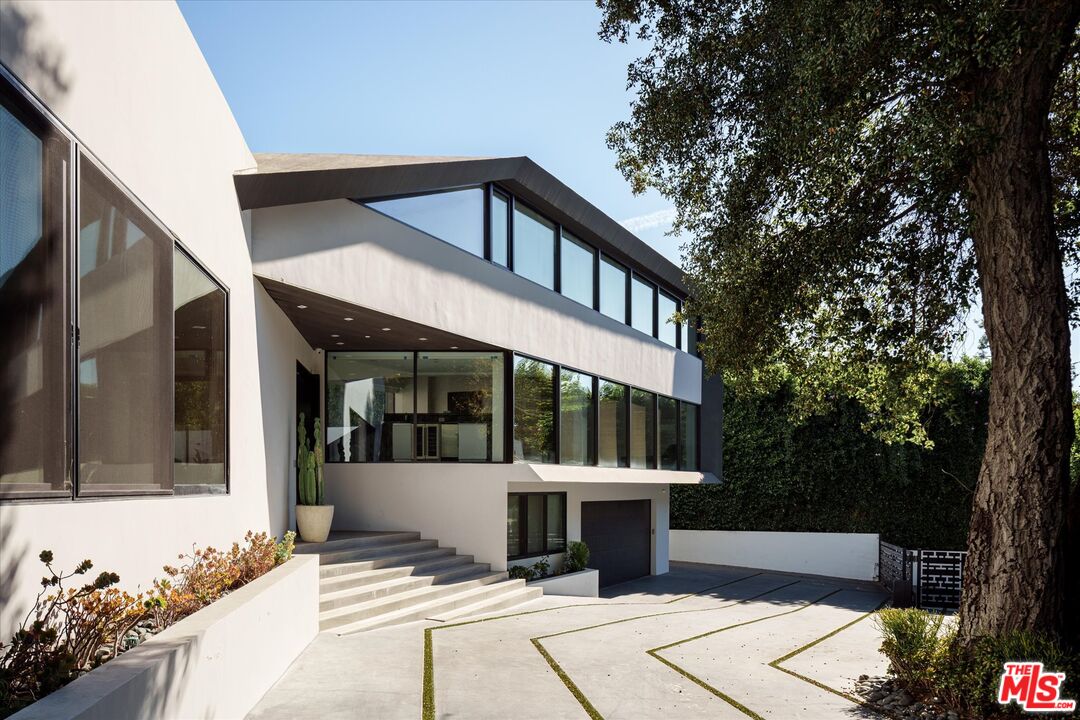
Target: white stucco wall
(343,250)
(842,555)
(464,505)
(129,80)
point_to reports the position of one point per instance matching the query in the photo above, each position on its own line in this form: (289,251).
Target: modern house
(494,359)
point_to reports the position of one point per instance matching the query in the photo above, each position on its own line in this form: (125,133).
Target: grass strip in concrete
(428,704)
(655,654)
(847,696)
(572,686)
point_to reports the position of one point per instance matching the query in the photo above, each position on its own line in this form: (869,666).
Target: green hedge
(827,474)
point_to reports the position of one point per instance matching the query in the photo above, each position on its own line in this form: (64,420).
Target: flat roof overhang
(323,317)
(287,179)
(585,474)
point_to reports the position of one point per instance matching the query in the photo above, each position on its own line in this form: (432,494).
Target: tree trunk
(1016,574)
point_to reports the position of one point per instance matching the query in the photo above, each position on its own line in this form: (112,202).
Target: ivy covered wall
(827,474)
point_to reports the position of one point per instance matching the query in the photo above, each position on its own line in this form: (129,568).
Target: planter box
(217,663)
(583,583)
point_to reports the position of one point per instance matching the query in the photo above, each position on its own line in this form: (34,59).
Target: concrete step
(504,589)
(405,558)
(364,593)
(357,578)
(346,541)
(499,602)
(374,551)
(406,600)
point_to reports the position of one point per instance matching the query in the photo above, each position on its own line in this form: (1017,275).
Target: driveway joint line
(776,664)
(428,696)
(572,686)
(655,654)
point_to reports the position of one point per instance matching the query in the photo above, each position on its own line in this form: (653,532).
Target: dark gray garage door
(619,536)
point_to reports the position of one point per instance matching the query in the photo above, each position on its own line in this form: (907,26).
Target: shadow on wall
(40,65)
(13,554)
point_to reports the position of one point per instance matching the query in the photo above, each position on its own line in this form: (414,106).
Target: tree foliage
(817,154)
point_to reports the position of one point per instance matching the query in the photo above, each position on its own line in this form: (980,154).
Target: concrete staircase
(371,580)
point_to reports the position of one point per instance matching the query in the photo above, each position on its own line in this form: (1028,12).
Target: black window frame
(523,515)
(43,117)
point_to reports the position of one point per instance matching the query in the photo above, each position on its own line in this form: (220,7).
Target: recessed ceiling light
(386,329)
(198,327)
(423,339)
(334,335)
(302,307)
(341,343)
(367,337)
(453,347)
(348,319)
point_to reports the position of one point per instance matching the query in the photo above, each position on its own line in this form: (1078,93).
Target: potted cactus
(313,517)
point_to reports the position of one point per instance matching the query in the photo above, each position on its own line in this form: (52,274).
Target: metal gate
(930,579)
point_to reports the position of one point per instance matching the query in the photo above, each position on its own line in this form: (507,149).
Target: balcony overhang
(577,474)
(321,319)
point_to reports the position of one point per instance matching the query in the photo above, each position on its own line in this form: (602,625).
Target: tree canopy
(818,155)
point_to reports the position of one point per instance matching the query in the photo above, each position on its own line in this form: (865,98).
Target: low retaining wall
(583,583)
(843,555)
(217,663)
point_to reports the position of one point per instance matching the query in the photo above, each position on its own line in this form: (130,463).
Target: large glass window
(460,401)
(578,263)
(577,439)
(669,330)
(125,343)
(612,408)
(534,246)
(688,432)
(535,524)
(642,429)
(500,228)
(455,216)
(642,307)
(33,330)
(668,424)
(534,411)
(613,279)
(369,406)
(199,368)
(684,336)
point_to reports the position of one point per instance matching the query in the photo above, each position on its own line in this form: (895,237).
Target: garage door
(619,536)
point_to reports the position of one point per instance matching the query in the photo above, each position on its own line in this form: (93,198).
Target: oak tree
(855,177)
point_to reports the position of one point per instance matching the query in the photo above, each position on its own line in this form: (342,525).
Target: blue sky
(433,78)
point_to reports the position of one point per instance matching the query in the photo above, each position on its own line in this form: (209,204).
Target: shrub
(61,636)
(70,631)
(208,574)
(930,662)
(913,641)
(541,567)
(520,572)
(577,556)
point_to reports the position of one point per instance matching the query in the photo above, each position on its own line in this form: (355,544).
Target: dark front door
(307,402)
(619,536)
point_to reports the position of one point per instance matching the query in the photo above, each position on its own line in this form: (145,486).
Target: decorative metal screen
(929,579)
(941,574)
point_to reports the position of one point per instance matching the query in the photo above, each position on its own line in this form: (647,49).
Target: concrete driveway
(701,641)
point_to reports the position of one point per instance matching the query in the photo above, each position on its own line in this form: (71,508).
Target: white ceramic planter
(313,521)
(583,583)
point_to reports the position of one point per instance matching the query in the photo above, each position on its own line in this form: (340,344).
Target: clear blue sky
(432,78)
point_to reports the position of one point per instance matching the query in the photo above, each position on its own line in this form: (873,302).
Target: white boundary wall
(217,663)
(843,555)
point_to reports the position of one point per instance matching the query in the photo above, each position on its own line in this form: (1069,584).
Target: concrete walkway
(701,641)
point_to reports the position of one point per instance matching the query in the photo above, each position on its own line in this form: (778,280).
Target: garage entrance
(619,536)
